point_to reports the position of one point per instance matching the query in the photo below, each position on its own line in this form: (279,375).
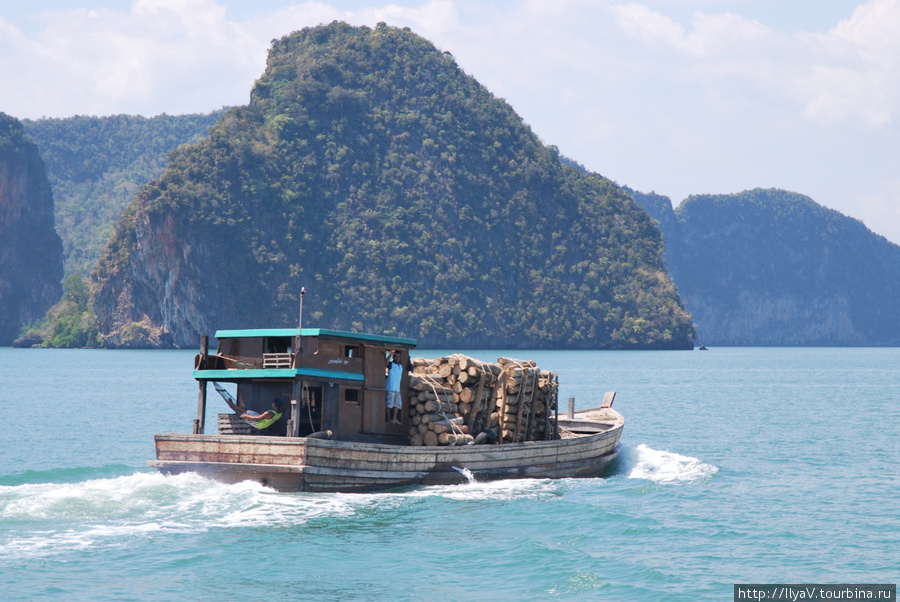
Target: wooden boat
(335,436)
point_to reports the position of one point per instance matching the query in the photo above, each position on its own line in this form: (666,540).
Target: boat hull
(321,465)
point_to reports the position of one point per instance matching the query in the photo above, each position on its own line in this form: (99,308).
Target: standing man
(393,401)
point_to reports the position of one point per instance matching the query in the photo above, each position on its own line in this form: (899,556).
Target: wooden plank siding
(300,464)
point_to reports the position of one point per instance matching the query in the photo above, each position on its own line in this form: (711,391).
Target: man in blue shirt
(393,401)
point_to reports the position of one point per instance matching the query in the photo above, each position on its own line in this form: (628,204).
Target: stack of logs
(453,399)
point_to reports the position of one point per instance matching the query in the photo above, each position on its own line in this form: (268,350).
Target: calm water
(739,466)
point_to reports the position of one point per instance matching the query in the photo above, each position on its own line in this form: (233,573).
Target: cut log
(441,406)
(425,396)
(508,361)
(451,439)
(446,427)
(428,418)
(425,382)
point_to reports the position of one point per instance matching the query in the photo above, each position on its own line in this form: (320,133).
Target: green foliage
(12,136)
(69,323)
(407,199)
(96,165)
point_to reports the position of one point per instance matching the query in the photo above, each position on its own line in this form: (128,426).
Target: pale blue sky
(677,96)
(789,15)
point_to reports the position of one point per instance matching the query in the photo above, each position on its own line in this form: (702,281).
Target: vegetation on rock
(69,323)
(406,199)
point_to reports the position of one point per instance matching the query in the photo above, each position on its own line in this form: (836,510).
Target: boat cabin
(328,380)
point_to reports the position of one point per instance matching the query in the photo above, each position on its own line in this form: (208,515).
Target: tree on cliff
(771,267)
(30,249)
(405,197)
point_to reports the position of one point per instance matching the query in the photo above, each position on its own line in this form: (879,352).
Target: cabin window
(279,344)
(351,395)
(351,351)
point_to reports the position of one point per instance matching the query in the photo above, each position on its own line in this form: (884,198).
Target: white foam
(52,518)
(466,473)
(644,462)
(507,489)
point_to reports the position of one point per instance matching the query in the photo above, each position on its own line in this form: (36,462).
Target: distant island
(774,268)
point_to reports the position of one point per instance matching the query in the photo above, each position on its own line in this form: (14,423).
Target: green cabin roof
(373,339)
(267,373)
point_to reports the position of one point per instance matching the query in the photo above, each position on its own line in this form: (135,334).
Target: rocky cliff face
(770,267)
(154,299)
(30,249)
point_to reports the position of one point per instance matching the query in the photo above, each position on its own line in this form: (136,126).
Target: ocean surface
(739,465)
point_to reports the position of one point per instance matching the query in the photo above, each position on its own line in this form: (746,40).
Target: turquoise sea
(739,465)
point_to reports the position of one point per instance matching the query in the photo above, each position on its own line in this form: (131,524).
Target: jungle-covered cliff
(404,196)
(771,267)
(96,165)
(30,250)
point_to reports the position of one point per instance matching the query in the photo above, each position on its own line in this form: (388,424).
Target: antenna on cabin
(300,326)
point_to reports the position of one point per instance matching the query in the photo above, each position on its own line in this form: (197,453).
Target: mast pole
(297,348)
(296,397)
(200,422)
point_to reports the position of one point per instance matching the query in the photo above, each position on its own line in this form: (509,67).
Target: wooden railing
(276,360)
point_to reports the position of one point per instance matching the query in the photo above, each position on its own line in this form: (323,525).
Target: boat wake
(41,519)
(52,518)
(663,467)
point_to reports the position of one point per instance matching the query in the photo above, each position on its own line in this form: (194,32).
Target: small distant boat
(703,348)
(335,437)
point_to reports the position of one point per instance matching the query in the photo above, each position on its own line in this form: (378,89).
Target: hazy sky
(675,96)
